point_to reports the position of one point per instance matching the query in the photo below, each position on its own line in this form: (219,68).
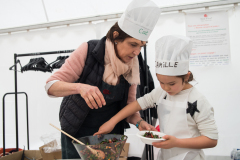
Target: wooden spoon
(98,153)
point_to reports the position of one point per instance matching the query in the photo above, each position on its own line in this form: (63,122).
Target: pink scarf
(114,67)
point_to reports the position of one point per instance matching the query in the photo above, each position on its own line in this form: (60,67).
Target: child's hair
(189,79)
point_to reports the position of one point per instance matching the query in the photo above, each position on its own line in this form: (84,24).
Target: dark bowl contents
(150,135)
(110,144)
(114,139)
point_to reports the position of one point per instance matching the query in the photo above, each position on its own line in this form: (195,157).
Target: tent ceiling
(14,13)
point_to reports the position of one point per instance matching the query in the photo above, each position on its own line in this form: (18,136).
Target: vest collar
(99,50)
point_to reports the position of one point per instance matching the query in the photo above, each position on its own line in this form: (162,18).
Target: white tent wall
(218,83)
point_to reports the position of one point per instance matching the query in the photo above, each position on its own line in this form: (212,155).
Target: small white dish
(150,140)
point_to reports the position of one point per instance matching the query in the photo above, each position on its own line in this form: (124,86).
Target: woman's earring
(115,42)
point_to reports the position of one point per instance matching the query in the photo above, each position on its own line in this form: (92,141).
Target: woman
(101,76)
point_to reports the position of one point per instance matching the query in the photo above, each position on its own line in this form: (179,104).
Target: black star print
(192,108)
(155,105)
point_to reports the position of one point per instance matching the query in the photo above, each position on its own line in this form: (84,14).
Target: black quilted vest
(73,109)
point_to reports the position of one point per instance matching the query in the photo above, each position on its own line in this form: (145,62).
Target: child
(184,114)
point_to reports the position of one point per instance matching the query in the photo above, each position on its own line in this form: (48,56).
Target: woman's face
(172,84)
(128,49)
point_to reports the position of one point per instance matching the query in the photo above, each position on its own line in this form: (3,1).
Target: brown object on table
(27,153)
(124,154)
(50,156)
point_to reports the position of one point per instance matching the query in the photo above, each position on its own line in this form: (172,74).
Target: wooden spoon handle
(67,134)
(92,150)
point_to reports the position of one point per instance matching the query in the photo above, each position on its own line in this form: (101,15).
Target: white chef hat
(139,19)
(172,55)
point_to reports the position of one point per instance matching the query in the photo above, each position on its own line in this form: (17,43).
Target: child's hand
(145,126)
(107,127)
(170,142)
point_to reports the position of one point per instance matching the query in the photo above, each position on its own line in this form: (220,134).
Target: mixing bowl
(111,150)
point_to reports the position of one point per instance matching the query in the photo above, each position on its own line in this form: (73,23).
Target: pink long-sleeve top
(72,69)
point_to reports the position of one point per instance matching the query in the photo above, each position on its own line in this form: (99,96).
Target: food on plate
(151,135)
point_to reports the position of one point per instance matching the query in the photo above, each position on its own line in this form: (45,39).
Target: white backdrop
(218,83)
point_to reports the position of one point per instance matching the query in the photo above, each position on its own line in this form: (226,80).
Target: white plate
(150,140)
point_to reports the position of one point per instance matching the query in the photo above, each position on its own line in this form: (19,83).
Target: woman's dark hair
(122,35)
(189,79)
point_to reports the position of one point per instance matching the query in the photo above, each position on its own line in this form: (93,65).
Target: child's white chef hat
(172,55)
(139,19)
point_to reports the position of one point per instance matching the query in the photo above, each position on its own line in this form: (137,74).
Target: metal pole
(150,149)
(146,67)
(27,120)
(44,53)
(3,126)
(16,99)
(4,118)
(151,156)
(146,146)
(45,10)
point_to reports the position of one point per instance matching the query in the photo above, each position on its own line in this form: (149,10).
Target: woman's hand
(170,142)
(145,126)
(106,128)
(92,96)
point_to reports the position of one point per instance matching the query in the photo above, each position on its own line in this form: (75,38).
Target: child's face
(171,84)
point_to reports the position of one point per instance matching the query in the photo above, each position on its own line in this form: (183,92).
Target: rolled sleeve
(48,85)
(150,100)
(205,120)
